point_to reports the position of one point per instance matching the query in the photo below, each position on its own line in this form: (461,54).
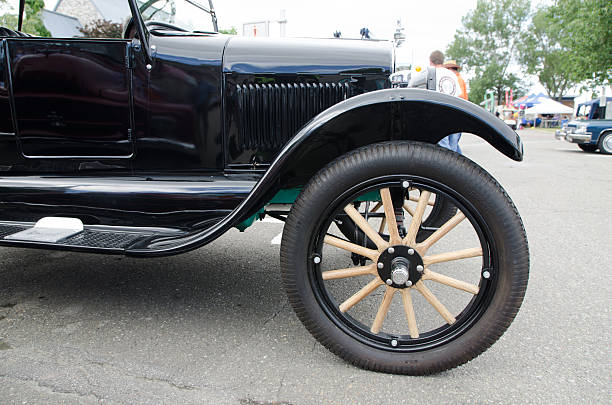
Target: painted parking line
(277,239)
(271,220)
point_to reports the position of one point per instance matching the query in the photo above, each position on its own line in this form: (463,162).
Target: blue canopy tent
(531,100)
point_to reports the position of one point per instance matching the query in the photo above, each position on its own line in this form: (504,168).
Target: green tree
(543,54)
(585,30)
(102,29)
(487,45)
(32,22)
(231,31)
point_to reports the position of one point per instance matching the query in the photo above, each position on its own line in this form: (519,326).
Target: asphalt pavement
(214,326)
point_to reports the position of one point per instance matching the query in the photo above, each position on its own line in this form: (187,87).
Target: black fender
(393,114)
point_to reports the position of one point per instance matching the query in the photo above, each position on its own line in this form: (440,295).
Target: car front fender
(394,114)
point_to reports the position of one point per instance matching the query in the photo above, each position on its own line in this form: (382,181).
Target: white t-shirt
(447,83)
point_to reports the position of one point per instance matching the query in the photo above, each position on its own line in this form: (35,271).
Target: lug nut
(316,260)
(486,274)
(380,265)
(394,343)
(406,184)
(409,283)
(419,268)
(389,281)
(410,252)
(391,250)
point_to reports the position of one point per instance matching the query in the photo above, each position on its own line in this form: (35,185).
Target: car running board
(71,234)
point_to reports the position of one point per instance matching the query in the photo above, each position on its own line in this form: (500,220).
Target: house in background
(88,11)
(61,25)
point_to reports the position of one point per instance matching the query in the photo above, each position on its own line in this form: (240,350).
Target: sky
(428,24)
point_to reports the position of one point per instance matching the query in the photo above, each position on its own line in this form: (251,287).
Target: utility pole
(282,22)
(399,37)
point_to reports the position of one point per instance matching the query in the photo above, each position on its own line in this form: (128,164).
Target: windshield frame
(210,11)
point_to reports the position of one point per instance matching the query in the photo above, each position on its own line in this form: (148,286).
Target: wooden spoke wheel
(416,302)
(439,211)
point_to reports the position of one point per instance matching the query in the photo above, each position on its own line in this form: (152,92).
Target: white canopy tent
(549,106)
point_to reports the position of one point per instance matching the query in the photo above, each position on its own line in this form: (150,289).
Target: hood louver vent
(268,115)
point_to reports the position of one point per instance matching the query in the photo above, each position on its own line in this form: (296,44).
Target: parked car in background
(592,128)
(507,114)
(158,143)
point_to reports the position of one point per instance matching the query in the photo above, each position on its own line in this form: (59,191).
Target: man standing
(453,66)
(448,83)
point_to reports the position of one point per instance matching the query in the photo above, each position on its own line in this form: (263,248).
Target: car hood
(308,56)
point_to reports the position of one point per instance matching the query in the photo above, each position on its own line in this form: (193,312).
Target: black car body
(161,144)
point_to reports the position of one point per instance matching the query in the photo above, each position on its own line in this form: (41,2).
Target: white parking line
(271,220)
(277,239)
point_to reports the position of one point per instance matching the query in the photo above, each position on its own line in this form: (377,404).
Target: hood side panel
(274,87)
(313,56)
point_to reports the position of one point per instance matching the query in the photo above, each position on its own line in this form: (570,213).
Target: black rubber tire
(414,159)
(588,147)
(603,141)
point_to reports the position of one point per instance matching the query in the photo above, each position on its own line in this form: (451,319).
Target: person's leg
(451,142)
(445,143)
(455,142)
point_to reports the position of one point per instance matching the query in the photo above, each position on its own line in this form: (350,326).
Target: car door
(72,97)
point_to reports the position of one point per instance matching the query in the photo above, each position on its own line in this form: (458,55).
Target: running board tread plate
(103,239)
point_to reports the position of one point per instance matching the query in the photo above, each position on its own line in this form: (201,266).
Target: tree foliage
(585,29)
(32,22)
(231,31)
(487,45)
(543,54)
(102,29)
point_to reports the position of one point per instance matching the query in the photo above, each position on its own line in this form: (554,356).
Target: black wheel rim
(404,342)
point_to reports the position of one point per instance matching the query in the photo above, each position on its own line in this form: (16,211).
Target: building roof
(116,11)
(61,25)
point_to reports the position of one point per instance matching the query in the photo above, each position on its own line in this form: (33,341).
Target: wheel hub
(400,266)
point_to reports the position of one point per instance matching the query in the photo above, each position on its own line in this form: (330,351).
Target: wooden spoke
(376,207)
(350,272)
(382,310)
(441,232)
(449,281)
(410,316)
(383,222)
(448,317)
(385,195)
(417,218)
(417,199)
(450,256)
(408,209)
(361,294)
(351,247)
(361,222)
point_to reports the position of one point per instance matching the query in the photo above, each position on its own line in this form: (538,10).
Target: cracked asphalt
(214,327)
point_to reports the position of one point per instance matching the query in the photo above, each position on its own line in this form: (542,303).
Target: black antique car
(397,255)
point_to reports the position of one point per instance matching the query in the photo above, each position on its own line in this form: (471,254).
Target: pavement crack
(280,308)
(52,388)
(168,382)
(280,386)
